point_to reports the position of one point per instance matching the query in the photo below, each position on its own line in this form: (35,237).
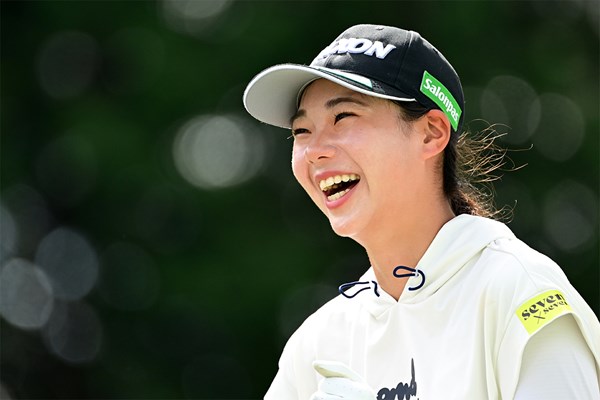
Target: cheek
(295,162)
(390,166)
(299,167)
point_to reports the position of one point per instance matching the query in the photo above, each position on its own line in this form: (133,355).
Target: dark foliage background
(154,244)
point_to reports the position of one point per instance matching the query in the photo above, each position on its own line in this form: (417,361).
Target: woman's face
(355,158)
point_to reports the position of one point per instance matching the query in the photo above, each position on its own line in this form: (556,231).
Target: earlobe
(436,135)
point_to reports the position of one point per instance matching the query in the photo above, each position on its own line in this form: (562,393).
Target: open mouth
(337,186)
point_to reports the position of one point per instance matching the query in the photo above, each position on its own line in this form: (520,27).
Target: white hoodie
(461,335)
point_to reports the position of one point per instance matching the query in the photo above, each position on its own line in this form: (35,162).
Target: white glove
(340,383)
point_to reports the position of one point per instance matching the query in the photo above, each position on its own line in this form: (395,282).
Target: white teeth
(337,195)
(326,184)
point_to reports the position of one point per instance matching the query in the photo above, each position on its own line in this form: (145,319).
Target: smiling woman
(335,136)
(452,298)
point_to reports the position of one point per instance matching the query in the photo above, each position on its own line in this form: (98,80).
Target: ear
(436,133)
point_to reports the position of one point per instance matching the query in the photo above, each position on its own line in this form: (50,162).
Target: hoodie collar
(457,242)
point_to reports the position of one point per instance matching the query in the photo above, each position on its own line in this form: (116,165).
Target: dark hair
(469,163)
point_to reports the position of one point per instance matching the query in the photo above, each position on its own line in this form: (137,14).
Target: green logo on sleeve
(437,92)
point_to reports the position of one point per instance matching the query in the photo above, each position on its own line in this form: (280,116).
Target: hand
(340,383)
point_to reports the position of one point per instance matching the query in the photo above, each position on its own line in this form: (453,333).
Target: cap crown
(375,60)
(395,61)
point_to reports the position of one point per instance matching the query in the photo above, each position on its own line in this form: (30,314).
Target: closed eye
(299,131)
(342,115)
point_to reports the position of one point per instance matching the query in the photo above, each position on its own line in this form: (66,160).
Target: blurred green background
(154,244)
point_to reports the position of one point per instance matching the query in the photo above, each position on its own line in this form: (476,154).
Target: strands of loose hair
(480,162)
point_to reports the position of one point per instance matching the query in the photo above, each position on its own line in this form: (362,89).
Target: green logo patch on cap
(441,96)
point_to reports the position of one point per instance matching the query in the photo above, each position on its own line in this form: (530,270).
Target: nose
(319,148)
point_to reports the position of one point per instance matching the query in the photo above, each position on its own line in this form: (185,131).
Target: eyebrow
(334,102)
(329,105)
(298,114)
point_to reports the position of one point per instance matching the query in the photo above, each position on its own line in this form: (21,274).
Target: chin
(343,229)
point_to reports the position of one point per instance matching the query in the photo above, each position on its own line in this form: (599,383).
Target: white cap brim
(272,96)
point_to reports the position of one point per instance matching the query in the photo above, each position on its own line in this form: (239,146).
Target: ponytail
(471,161)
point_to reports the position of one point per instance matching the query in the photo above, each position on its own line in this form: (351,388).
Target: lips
(336,186)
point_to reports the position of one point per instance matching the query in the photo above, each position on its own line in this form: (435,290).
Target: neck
(403,241)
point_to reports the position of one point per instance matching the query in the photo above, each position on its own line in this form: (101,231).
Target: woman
(454,306)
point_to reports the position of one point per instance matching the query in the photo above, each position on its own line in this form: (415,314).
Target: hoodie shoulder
(517,262)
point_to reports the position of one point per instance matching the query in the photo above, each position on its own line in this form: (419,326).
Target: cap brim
(272,95)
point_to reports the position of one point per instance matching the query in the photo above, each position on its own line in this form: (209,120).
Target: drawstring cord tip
(347,286)
(412,272)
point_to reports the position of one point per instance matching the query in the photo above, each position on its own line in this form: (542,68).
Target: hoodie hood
(457,242)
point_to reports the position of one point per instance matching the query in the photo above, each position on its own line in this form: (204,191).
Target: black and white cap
(376,60)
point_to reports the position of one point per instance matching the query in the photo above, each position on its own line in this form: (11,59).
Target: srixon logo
(404,391)
(357,46)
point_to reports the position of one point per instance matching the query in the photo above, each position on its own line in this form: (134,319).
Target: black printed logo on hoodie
(404,391)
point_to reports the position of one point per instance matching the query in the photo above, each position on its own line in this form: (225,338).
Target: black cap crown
(377,60)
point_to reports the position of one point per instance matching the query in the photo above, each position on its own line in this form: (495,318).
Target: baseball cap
(376,60)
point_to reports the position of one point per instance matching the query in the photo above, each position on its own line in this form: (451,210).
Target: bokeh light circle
(74,333)
(561,129)
(67,64)
(218,151)
(26,299)
(511,101)
(9,234)
(31,216)
(192,16)
(70,262)
(571,215)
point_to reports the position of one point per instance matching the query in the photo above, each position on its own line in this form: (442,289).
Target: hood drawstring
(346,286)
(411,272)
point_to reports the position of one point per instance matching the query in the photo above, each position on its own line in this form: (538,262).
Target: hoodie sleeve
(557,363)
(541,295)
(295,379)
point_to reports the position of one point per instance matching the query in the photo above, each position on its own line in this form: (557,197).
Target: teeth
(337,195)
(326,184)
